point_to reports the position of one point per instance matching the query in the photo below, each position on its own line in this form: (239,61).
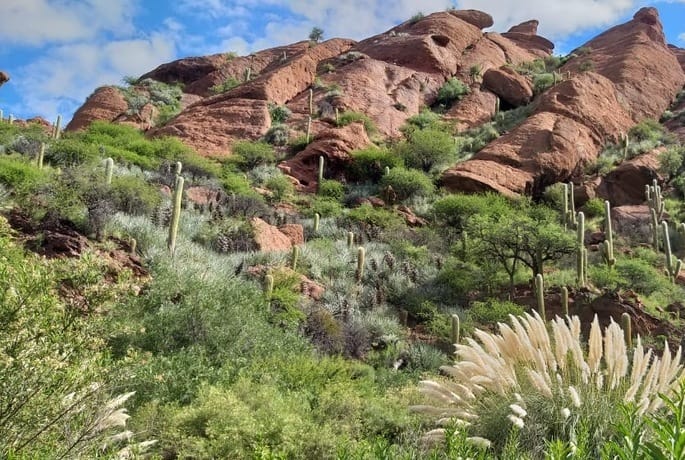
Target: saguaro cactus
(311,102)
(455,329)
(41,156)
(309,128)
(178,168)
(350,239)
(581,251)
(268,286)
(175,215)
(361,257)
(321,167)
(294,257)
(607,248)
(57,128)
(540,295)
(672,267)
(317,221)
(569,206)
(109,170)
(627,329)
(564,300)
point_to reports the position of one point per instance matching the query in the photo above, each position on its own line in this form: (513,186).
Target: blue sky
(58,51)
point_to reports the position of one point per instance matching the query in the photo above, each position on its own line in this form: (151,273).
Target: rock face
(4,78)
(268,238)
(508,85)
(573,120)
(632,221)
(625,185)
(106,103)
(526,36)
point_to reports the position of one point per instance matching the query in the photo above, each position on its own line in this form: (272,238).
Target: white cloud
(35,22)
(681,37)
(59,82)
(557,18)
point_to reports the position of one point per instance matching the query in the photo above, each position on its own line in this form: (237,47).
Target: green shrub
(16,173)
(331,189)
(280,186)
(133,195)
(277,135)
(324,206)
(252,154)
(369,216)
(493,311)
(279,113)
(71,152)
(227,85)
(542,82)
(456,210)
(408,183)
(235,183)
(428,150)
(647,129)
(594,207)
(452,91)
(349,116)
(370,164)
(424,120)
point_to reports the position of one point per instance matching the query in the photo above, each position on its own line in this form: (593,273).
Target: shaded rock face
(625,185)
(632,221)
(573,120)
(4,77)
(508,85)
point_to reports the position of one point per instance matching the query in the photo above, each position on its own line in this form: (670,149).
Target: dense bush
(332,189)
(349,116)
(452,91)
(406,183)
(370,164)
(71,152)
(17,173)
(428,150)
(249,155)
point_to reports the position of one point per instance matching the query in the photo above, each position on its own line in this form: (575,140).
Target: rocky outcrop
(334,145)
(106,103)
(525,35)
(474,17)
(211,125)
(4,77)
(268,238)
(187,70)
(474,109)
(632,221)
(625,185)
(511,87)
(573,120)
(566,131)
(679,53)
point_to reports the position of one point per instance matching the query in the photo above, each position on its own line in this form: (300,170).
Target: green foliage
(428,150)
(316,35)
(69,151)
(407,183)
(279,113)
(493,311)
(416,18)
(594,207)
(280,186)
(133,195)
(369,216)
(249,155)
(370,164)
(452,91)
(17,173)
(425,119)
(542,82)
(332,189)
(228,84)
(455,210)
(277,135)
(350,116)
(324,206)
(647,129)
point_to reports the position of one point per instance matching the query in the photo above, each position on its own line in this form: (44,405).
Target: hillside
(275,256)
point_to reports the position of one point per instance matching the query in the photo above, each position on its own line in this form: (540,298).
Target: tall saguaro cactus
(109,169)
(581,251)
(361,260)
(672,267)
(540,295)
(564,300)
(655,201)
(569,206)
(455,329)
(607,248)
(175,214)
(320,174)
(57,130)
(41,156)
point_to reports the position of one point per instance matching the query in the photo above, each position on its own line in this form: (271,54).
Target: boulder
(295,232)
(474,109)
(335,145)
(632,221)
(625,185)
(525,35)
(106,103)
(474,17)
(506,83)
(269,238)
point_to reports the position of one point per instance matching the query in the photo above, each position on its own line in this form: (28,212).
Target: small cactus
(540,295)
(178,168)
(317,221)
(41,156)
(455,329)
(109,169)
(607,248)
(311,102)
(672,268)
(309,128)
(10,120)
(361,256)
(321,167)
(626,144)
(133,243)
(268,286)
(175,215)
(294,257)
(581,251)
(627,329)
(57,130)
(350,239)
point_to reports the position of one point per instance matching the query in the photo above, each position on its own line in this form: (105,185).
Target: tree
(428,149)
(531,237)
(316,35)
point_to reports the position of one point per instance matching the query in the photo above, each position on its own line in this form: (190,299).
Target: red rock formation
(4,77)
(295,232)
(526,36)
(106,103)
(511,87)
(474,17)
(474,109)
(625,185)
(268,238)
(577,117)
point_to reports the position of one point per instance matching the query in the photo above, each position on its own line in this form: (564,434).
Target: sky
(58,51)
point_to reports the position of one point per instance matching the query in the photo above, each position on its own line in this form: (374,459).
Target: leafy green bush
(71,152)
(279,113)
(225,86)
(594,207)
(349,116)
(647,129)
(277,135)
(408,183)
(324,206)
(428,150)
(379,218)
(424,120)
(542,82)
(280,186)
(493,311)
(252,154)
(16,173)
(452,91)
(370,164)
(332,189)
(456,210)
(133,195)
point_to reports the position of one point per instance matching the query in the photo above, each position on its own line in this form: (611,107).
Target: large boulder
(526,36)
(269,238)
(474,17)
(106,103)
(625,185)
(506,83)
